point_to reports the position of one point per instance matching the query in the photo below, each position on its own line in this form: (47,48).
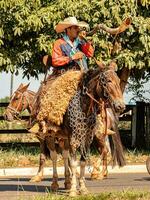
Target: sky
(5,82)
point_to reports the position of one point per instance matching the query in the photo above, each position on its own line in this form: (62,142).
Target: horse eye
(102,79)
(109,81)
(16,98)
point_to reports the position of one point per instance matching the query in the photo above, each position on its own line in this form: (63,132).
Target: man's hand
(77,56)
(82,35)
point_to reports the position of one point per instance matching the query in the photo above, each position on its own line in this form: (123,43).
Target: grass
(23,157)
(29,157)
(124,195)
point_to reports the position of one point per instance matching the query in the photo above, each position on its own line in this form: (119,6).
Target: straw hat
(68,22)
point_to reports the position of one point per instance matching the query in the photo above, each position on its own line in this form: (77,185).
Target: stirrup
(110,132)
(35,128)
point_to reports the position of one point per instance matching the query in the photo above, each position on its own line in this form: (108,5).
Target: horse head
(111,85)
(106,86)
(19,101)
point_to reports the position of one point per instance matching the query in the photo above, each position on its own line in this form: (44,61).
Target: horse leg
(42,160)
(104,171)
(53,155)
(65,154)
(83,189)
(103,150)
(67,183)
(73,189)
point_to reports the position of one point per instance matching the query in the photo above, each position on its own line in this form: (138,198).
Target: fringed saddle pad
(40,94)
(55,102)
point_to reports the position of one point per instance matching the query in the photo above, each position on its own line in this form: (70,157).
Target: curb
(49,170)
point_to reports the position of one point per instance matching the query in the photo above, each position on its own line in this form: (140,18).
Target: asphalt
(4,172)
(14,182)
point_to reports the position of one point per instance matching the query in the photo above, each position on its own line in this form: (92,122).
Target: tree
(27,31)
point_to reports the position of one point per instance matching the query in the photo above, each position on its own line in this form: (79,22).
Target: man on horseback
(71,51)
(70,54)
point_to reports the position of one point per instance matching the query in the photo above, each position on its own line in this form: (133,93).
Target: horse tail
(116,147)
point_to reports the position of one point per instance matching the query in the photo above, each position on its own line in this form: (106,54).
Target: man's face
(73,31)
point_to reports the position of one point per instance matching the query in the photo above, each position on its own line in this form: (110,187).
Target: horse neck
(89,98)
(29,95)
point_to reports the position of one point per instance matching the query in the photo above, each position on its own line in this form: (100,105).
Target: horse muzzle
(119,106)
(8,116)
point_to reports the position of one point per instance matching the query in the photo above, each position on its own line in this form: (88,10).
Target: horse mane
(31,92)
(88,76)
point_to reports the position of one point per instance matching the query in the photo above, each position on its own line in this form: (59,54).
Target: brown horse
(79,122)
(23,99)
(100,85)
(20,100)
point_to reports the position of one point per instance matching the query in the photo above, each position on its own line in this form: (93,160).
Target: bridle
(102,81)
(24,102)
(108,100)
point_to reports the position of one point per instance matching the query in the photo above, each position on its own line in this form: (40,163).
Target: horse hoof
(54,187)
(73,193)
(100,177)
(106,174)
(94,176)
(84,191)
(148,165)
(67,185)
(97,177)
(36,179)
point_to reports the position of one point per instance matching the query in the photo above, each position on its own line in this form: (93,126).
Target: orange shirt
(61,51)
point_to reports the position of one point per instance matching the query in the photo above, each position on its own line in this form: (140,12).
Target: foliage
(3,100)
(136,86)
(6,99)
(27,31)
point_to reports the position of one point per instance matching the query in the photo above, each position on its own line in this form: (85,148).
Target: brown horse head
(20,100)
(110,84)
(106,86)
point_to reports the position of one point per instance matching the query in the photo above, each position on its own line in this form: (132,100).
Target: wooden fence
(135,117)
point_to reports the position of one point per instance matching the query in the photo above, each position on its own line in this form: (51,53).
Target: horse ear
(101,65)
(113,65)
(20,86)
(24,87)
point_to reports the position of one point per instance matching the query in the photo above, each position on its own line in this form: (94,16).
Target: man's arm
(86,46)
(58,59)
(87,49)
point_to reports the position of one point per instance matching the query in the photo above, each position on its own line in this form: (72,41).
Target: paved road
(14,188)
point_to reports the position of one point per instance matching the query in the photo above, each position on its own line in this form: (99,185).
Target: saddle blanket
(55,101)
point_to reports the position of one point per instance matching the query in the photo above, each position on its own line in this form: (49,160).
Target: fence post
(147,127)
(133,126)
(140,125)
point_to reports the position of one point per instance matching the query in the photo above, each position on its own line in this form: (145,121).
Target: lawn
(29,157)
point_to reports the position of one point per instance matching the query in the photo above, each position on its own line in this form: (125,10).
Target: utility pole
(11,84)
